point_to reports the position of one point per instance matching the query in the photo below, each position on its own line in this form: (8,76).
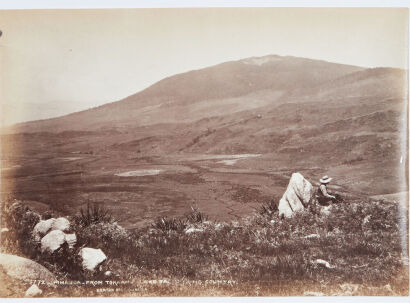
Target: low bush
(167,224)
(269,209)
(93,214)
(196,216)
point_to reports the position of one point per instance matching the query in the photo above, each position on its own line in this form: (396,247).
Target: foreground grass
(259,255)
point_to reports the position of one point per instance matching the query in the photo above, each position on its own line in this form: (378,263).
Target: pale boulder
(193,230)
(25,269)
(53,240)
(92,257)
(61,224)
(323,263)
(42,228)
(33,291)
(71,240)
(297,196)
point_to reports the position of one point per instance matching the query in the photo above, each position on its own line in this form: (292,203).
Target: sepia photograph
(204,152)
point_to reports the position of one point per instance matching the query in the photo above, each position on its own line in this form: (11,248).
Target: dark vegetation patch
(245,194)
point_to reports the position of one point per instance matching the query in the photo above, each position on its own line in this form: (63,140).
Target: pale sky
(55,62)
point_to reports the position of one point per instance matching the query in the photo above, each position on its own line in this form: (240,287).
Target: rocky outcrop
(297,196)
(92,257)
(51,234)
(45,226)
(25,269)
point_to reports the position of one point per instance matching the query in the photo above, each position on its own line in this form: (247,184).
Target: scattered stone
(61,224)
(53,240)
(323,263)
(193,230)
(297,196)
(4,230)
(313,293)
(218,226)
(42,228)
(272,221)
(312,236)
(349,289)
(326,210)
(388,288)
(366,219)
(108,273)
(25,269)
(33,291)
(71,240)
(92,257)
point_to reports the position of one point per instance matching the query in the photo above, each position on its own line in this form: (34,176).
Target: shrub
(110,237)
(196,216)
(268,209)
(167,224)
(92,215)
(20,221)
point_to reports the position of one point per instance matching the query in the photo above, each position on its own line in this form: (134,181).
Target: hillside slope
(225,88)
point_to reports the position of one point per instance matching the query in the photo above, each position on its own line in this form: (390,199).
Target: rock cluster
(51,234)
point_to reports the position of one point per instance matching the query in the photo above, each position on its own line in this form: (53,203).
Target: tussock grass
(269,208)
(93,214)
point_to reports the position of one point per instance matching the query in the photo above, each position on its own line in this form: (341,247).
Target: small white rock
(92,257)
(323,263)
(4,230)
(33,291)
(71,240)
(272,221)
(313,293)
(193,230)
(108,273)
(312,236)
(366,219)
(388,288)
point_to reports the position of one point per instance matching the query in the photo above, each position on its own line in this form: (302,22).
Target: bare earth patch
(140,173)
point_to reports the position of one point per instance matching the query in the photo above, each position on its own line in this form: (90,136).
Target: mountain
(225,88)
(297,114)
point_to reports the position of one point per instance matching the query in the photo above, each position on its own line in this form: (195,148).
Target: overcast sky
(57,62)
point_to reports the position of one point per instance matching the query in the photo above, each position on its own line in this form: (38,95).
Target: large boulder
(92,257)
(53,240)
(297,196)
(25,269)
